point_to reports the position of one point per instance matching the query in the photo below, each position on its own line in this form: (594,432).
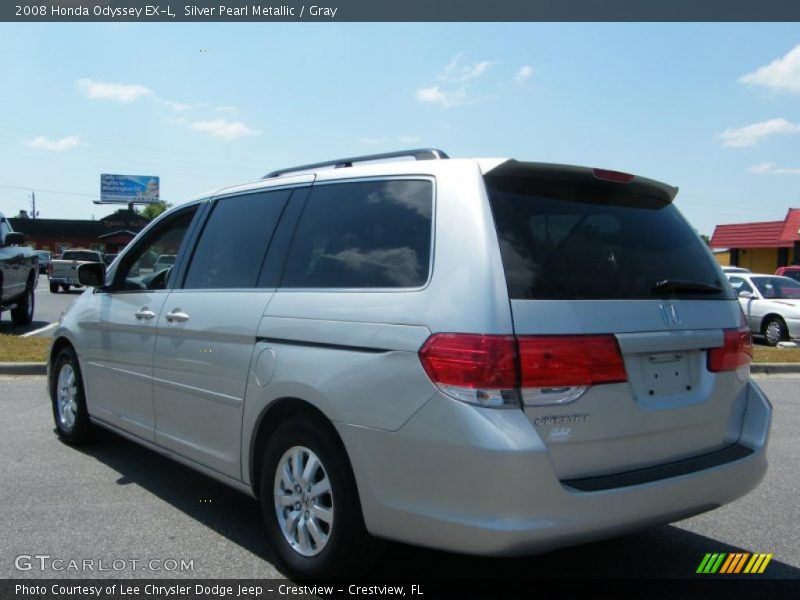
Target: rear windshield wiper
(690,287)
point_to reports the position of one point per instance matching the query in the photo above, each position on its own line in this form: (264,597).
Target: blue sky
(712,108)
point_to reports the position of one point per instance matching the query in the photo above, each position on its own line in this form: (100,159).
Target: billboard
(122,189)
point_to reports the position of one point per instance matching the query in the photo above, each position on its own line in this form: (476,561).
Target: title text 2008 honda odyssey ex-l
(484,356)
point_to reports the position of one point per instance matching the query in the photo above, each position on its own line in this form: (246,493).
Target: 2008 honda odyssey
(484,356)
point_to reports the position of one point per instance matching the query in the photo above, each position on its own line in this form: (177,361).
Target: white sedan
(771,304)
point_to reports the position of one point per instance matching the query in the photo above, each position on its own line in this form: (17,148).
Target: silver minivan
(484,356)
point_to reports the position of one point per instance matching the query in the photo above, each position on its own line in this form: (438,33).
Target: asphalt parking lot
(46,310)
(115,500)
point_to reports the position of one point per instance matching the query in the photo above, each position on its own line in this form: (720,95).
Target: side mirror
(747,295)
(92,274)
(14,239)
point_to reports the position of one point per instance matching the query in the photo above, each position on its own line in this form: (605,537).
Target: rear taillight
(562,361)
(479,369)
(50,268)
(736,351)
(496,370)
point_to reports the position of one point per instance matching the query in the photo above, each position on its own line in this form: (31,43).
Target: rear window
(572,242)
(81,256)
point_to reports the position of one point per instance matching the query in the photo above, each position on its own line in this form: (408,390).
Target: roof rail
(418,154)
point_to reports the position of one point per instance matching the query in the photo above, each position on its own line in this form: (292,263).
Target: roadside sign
(123,189)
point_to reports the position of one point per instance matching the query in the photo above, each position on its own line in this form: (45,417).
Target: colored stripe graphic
(723,563)
(734,563)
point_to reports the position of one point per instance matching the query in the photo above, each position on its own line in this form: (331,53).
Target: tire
(53,288)
(345,548)
(68,399)
(23,313)
(774,330)
(65,287)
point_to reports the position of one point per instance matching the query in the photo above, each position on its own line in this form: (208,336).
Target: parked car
(792,271)
(770,303)
(44,260)
(19,267)
(63,272)
(730,269)
(485,356)
(165,261)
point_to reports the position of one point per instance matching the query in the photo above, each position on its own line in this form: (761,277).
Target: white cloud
(769,168)
(118,92)
(409,139)
(455,72)
(176,106)
(752,135)
(781,74)
(456,78)
(374,141)
(224,129)
(42,142)
(447,98)
(523,74)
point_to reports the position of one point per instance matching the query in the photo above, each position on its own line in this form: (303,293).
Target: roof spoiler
(624,183)
(339,163)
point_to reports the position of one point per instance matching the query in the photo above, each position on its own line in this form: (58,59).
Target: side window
(145,268)
(740,285)
(369,234)
(235,240)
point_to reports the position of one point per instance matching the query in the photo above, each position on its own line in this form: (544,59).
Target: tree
(151,211)
(705,238)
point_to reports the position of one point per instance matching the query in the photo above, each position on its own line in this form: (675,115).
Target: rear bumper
(480,481)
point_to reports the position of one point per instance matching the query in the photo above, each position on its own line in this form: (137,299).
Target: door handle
(177,316)
(144,314)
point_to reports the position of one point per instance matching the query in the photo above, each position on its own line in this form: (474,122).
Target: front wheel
(69,400)
(53,288)
(774,331)
(310,503)
(23,313)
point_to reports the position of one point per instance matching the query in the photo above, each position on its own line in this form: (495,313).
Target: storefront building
(108,235)
(761,247)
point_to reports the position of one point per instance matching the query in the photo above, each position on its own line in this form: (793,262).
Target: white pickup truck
(63,272)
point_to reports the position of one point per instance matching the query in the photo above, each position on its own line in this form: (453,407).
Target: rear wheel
(23,313)
(310,503)
(53,288)
(774,330)
(68,399)
(65,287)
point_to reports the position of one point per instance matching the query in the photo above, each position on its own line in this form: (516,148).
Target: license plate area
(666,374)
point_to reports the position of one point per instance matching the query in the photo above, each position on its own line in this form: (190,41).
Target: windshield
(569,242)
(82,256)
(776,288)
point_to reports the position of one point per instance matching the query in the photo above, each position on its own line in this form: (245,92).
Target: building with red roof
(761,247)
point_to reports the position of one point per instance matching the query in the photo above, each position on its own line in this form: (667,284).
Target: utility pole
(33,202)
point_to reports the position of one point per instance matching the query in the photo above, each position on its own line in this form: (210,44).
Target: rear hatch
(618,307)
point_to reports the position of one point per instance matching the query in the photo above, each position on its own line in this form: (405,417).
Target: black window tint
(234,241)
(370,234)
(571,242)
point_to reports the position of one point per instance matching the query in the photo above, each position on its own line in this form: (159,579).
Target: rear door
(207,331)
(602,264)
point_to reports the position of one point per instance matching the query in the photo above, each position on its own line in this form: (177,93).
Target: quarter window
(235,240)
(368,234)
